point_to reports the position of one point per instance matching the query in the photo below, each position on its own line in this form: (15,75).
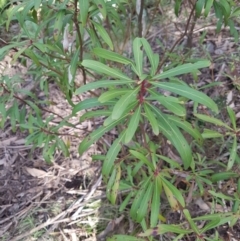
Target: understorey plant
(141,98)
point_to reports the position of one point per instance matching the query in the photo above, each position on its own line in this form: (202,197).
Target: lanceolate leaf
(138,198)
(155,206)
(123,103)
(151,118)
(103,33)
(102,7)
(112,155)
(83,5)
(153,58)
(170,130)
(133,125)
(173,106)
(233,154)
(188,128)
(173,194)
(104,69)
(138,55)
(188,92)
(106,54)
(143,207)
(94,136)
(101,84)
(95,113)
(112,94)
(88,103)
(183,69)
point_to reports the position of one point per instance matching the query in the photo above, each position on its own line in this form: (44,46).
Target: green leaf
(101,5)
(212,224)
(170,130)
(211,134)
(94,136)
(221,195)
(104,69)
(103,33)
(101,84)
(177,7)
(86,104)
(186,126)
(138,198)
(73,66)
(123,103)
(189,93)
(212,120)
(208,6)
(106,54)
(151,118)
(233,154)
(112,155)
(155,206)
(138,55)
(83,6)
(232,117)
(142,158)
(95,113)
(182,69)
(164,228)
(174,196)
(171,103)
(153,58)
(143,206)
(124,238)
(133,125)
(58,24)
(190,221)
(199,7)
(112,94)
(223,176)
(112,189)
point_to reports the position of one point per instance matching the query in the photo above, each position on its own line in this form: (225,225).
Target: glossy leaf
(189,93)
(101,5)
(138,55)
(186,126)
(112,94)
(165,228)
(83,6)
(190,221)
(101,84)
(233,154)
(142,158)
(155,206)
(123,103)
(112,190)
(106,54)
(170,130)
(173,194)
(208,6)
(152,120)
(153,58)
(232,117)
(103,33)
(143,207)
(211,134)
(95,135)
(212,120)
(138,198)
(133,125)
(167,102)
(199,7)
(223,176)
(104,69)
(95,113)
(112,155)
(182,69)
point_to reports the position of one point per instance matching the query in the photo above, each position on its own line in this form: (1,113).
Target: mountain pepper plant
(141,97)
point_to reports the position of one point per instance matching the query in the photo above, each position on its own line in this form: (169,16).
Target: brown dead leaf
(36,172)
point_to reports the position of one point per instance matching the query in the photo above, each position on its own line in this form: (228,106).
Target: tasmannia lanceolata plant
(140,98)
